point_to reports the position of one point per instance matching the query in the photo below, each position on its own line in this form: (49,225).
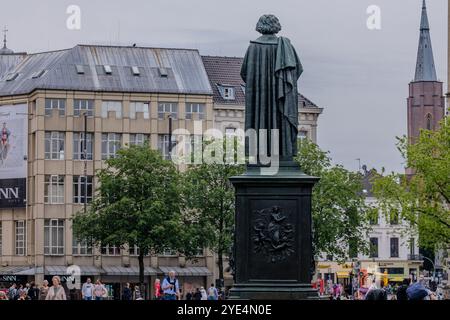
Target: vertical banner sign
(13,155)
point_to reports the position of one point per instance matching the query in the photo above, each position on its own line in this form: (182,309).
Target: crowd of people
(406,290)
(56,291)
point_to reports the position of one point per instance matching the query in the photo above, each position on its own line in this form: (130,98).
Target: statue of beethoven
(270,70)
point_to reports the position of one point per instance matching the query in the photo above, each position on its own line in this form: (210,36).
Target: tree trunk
(141,276)
(220,264)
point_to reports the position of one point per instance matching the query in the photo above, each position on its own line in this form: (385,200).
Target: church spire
(425,68)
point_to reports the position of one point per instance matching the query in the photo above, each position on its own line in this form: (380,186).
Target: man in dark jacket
(401,291)
(127,294)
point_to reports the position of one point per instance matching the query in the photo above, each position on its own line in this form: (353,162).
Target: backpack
(416,291)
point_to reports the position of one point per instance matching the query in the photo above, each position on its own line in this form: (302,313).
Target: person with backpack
(212,293)
(12,292)
(171,287)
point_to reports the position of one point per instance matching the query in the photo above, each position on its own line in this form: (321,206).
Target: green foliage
(423,199)
(137,202)
(208,197)
(340,216)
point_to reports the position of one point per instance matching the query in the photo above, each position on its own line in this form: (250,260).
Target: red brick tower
(426,102)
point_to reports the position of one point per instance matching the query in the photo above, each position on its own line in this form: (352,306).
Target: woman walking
(56,292)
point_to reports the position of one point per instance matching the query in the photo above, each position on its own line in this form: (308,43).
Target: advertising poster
(13,155)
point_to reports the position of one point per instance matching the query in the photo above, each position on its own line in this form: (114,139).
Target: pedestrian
(56,291)
(3,296)
(87,290)
(158,291)
(401,291)
(12,292)
(126,294)
(43,290)
(197,294)
(189,295)
(171,287)
(99,290)
(137,293)
(203,292)
(33,292)
(212,293)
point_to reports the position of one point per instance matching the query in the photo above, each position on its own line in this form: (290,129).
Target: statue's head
(268,24)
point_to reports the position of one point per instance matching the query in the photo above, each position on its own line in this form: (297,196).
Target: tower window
(429,122)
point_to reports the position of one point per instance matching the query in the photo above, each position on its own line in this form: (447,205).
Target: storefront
(18,275)
(72,282)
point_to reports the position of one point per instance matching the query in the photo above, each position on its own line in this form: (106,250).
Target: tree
(339,213)
(209,195)
(137,203)
(423,198)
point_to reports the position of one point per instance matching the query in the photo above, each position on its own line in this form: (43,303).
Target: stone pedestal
(273,240)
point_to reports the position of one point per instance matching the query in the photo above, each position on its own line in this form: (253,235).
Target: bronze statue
(271,69)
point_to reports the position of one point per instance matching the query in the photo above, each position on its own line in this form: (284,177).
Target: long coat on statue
(270,70)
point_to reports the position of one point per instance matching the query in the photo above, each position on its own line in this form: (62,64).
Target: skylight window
(80,69)
(37,74)
(135,71)
(107,69)
(163,73)
(12,76)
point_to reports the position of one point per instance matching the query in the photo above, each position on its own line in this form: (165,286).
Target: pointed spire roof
(425,68)
(5,49)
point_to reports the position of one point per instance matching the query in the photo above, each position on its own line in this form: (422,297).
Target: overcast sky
(359,76)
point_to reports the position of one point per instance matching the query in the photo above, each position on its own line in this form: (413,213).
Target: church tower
(426,102)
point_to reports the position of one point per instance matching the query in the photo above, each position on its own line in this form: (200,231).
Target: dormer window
(135,71)
(80,69)
(227,92)
(107,69)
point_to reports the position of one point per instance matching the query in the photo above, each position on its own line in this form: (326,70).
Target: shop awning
(17,270)
(342,275)
(62,270)
(128,271)
(187,271)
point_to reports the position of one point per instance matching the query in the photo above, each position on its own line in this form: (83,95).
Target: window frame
(78,146)
(52,181)
(54,140)
(162,110)
(49,106)
(108,143)
(78,186)
(20,245)
(83,105)
(193,108)
(52,247)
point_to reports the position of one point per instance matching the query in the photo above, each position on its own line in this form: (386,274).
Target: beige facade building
(127,94)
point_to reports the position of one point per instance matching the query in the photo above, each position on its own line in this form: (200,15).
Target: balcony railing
(415,257)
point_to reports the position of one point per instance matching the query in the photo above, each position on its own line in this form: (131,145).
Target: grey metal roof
(7,61)
(185,71)
(425,68)
(226,71)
